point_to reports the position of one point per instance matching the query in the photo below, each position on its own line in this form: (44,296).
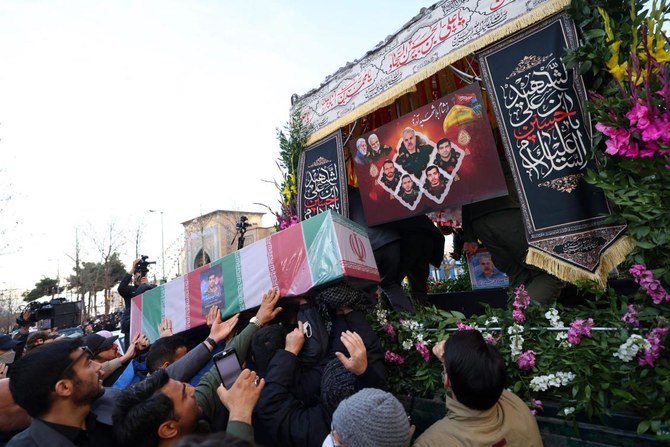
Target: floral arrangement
(637,124)
(609,355)
(292,140)
(459,284)
(624,60)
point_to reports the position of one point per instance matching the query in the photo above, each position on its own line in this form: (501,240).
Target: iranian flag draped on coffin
(318,251)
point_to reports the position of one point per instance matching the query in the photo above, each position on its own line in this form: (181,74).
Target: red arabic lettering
(497,4)
(535,125)
(315,206)
(347,91)
(328,102)
(423,42)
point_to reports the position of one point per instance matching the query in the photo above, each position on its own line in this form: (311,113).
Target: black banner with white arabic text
(538,103)
(322,183)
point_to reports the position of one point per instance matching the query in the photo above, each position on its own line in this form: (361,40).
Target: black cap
(97,343)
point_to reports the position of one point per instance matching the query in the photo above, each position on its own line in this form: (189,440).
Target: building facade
(213,235)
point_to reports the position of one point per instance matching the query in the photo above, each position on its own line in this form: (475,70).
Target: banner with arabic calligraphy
(436,37)
(322,180)
(442,154)
(547,136)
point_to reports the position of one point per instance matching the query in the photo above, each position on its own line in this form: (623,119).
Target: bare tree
(107,245)
(11,303)
(76,281)
(139,232)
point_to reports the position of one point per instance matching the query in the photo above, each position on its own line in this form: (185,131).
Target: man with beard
(213,289)
(56,384)
(409,191)
(361,151)
(411,157)
(377,150)
(447,158)
(435,182)
(391,175)
(159,411)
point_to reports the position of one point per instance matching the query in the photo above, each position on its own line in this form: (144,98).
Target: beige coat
(508,423)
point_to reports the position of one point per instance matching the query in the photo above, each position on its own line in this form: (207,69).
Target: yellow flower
(608,25)
(657,51)
(619,71)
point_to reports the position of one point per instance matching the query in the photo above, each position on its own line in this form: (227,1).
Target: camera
(143,266)
(243,224)
(39,311)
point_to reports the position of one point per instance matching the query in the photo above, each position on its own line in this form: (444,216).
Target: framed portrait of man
(211,288)
(483,273)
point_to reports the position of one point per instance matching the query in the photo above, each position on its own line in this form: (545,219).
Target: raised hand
(165,329)
(357,363)
(295,339)
(267,311)
(241,398)
(222,329)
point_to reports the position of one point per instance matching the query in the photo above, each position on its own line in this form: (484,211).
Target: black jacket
(126,289)
(281,418)
(40,434)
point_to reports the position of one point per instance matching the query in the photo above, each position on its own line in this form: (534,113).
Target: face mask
(329,441)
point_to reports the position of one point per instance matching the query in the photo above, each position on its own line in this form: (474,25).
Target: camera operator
(241,228)
(140,284)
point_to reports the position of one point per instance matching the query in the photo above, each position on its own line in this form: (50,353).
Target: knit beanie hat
(337,383)
(372,418)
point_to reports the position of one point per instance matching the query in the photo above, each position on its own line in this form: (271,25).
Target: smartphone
(228,366)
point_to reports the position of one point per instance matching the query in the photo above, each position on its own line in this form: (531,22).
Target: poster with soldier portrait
(441,155)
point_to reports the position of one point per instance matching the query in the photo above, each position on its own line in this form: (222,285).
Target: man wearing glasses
(56,384)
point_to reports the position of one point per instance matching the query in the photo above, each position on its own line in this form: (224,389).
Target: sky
(111,109)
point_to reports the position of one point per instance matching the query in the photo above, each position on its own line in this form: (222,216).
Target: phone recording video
(228,366)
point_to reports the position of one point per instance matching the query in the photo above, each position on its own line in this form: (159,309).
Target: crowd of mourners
(107,322)
(313,375)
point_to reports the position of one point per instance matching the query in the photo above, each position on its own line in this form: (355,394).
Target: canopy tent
(408,71)
(437,37)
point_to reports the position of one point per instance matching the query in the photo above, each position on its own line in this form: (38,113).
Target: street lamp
(162,242)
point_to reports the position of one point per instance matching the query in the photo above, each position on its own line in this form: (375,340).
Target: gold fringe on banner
(609,259)
(408,85)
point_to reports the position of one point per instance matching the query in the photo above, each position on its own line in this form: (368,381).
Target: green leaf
(595,33)
(585,67)
(624,394)
(643,427)
(644,244)
(458,315)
